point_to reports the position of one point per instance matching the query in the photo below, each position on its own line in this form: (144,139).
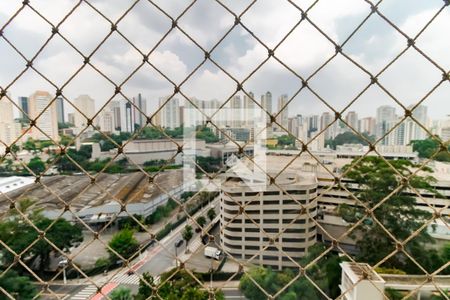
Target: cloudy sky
(304,50)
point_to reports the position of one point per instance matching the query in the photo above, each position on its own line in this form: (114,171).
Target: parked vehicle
(212,252)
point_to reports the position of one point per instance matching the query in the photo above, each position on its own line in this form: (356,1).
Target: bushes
(124,243)
(162,211)
(130,223)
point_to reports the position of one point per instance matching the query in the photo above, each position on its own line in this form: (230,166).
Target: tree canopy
(179,284)
(17,286)
(18,234)
(124,243)
(428,147)
(381,186)
(348,137)
(325,273)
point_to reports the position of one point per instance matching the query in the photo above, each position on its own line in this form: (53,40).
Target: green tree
(179,284)
(349,137)
(18,287)
(286,140)
(394,294)
(19,234)
(441,296)
(124,243)
(145,287)
(29,145)
(325,273)
(211,214)
(206,134)
(36,165)
(121,293)
(187,233)
(207,164)
(428,147)
(399,214)
(201,221)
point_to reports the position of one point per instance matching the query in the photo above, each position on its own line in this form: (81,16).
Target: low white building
(9,184)
(360,282)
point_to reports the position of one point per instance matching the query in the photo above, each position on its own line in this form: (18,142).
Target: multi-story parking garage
(269,224)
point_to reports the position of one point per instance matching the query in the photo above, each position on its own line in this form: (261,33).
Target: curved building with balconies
(268,224)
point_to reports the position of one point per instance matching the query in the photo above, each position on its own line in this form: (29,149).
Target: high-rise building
(170,112)
(367,125)
(60,110)
(129,121)
(266,102)
(352,120)
(236,114)
(9,129)
(249,110)
(45,116)
(139,111)
(106,121)
(24,106)
(385,120)
(86,105)
(409,130)
(325,120)
(71,118)
(283,111)
(298,127)
(312,123)
(420,114)
(116,110)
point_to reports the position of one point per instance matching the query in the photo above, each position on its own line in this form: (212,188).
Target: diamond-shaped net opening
(220,149)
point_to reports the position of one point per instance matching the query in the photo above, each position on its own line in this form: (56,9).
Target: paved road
(156,260)
(162,256)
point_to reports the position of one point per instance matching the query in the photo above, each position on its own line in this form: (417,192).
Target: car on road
(178,243)
(212,252)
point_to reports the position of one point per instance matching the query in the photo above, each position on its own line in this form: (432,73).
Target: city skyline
(65,108)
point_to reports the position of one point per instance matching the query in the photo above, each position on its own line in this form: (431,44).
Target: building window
(271,193)
(294,249)
(296,192)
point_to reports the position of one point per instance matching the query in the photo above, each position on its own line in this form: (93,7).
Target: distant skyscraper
(129,121)
(86,105)
(170,112)
(139,111)
(283,110)
(313,123)
(409,130)
(249,109)
(24,106)
(325,120)
(71,118)
(60,110)
(9,130)
(352,120)
(115,107)
(367,125)
(46,120)
(385,120)
(237,112)
(106,121)
(266,102)
(420,114)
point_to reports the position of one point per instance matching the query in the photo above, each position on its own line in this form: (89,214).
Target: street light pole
(176,256)
(63,264)
(64,276)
